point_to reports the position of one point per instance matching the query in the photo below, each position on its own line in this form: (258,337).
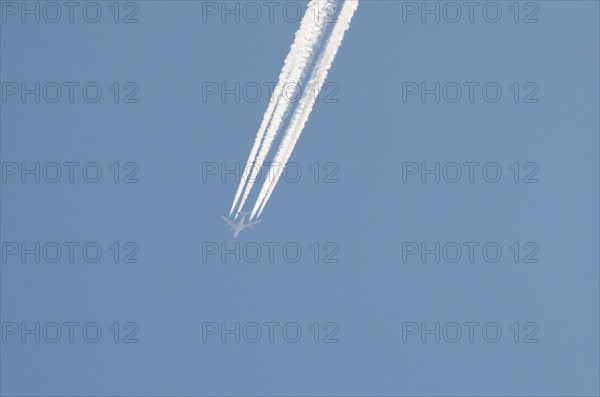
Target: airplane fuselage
(238,227)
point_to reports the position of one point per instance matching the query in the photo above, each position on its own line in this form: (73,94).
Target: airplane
(240,226)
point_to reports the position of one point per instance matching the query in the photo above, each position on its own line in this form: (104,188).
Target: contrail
(303,57)
(306,104)
(306,40)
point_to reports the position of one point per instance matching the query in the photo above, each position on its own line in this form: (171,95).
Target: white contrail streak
(306,104)
(306,39)
(311,41)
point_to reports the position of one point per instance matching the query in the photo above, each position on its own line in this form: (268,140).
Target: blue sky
(429,211)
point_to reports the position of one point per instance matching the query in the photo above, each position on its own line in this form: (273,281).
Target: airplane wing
(250,224)
(228,221)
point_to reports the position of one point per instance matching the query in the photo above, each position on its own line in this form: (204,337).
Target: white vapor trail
(306,104)
(306,40)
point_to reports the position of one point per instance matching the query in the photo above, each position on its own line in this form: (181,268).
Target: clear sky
(409,279)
